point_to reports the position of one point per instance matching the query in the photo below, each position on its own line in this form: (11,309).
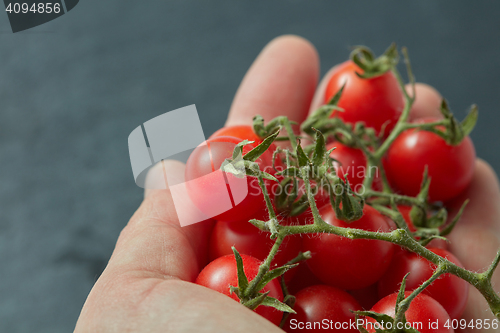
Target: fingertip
(282,80)
(427,101)
(297,43)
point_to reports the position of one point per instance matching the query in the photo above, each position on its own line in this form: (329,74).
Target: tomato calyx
(250,294)
(403,301)
(457,131)
(371,66)
(317,167)
(240,162)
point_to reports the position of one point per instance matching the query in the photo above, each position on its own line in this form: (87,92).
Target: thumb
(154,241)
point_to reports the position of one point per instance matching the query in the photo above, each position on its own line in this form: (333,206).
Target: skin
(146,284)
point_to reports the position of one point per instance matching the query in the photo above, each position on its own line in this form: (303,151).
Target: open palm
(147,285)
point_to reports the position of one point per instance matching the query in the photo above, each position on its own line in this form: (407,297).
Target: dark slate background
(73,89)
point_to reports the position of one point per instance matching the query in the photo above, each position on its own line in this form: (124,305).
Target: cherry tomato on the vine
(375,101)
(251,241)
(346,263)
(450,167)
(208,186)
(221,273)
(319,305)
(449,290)
(423,311)
(352,161)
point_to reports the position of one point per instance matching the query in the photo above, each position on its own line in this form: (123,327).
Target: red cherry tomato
(243,132)
(221,273)
(209,187)
(352,161)
(322,305)
(249,240)
(450,167)
(376,101)
(346,263)
(449,290)
(423,311)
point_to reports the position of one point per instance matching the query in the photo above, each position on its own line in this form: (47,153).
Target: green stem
(399,199)
(265,266)
(289,131)
(405,304)
(400,237)
(269,205)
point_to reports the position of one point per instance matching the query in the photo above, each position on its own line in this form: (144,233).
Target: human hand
(147,283)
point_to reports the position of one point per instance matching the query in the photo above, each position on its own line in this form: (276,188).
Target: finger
(281,81)
(427,102)
(154,241)
(476,237)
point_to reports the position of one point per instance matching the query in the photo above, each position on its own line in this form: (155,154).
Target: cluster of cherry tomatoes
(342,275)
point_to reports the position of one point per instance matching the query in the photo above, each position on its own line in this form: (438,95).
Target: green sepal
(401,293)
(301,156)
(336,98)
(290,301)
(234,290)
(449,227)
(454,133)
(282,199)
(352,204)
(258,126)
(418,215)
(255,153)
(292,197)
(242,278)
(364,58)
(319,117)
(438,219)
(238,149)
(358,325)
(290,172)
(319,153)
(252,170)
(457,131)
(352,208)
(253,303)
(262,130)
(470,120)
(299,206)
(235,168)
(273,274)
(424,241)
(273,302)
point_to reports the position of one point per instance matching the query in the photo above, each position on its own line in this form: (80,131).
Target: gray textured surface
(73,89)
